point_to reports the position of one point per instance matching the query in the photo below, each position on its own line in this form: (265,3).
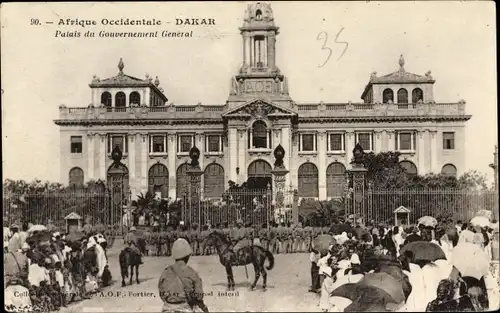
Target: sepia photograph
(245,156)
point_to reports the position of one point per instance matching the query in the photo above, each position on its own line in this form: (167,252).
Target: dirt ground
(288,283)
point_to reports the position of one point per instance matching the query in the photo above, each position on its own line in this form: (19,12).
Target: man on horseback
(239,241)
(132,241)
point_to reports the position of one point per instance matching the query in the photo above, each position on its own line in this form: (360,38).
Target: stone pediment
(402,209)
(73,216)
(258,108)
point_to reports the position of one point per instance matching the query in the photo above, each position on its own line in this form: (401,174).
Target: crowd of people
(46,269)
(430,267)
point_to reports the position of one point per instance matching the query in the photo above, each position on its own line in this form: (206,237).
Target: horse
(255,255)
(129,258)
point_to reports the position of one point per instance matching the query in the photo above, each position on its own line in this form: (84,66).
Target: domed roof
(259,15)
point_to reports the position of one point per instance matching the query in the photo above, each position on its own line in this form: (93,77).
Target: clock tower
(259,77)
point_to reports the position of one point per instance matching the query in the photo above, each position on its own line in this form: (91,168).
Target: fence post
(358,172)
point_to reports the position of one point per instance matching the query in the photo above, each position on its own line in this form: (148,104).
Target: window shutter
(125,138)
(372,142)
(315,142)
(414,139)
(343,142)
(396,141)
(150,143)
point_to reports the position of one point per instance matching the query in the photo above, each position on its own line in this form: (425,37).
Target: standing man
(23,235)
(15,240)
(180,287)
(87,228)
(50,226)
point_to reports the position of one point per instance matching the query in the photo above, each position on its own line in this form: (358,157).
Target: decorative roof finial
(157,82)
(402,62)
(121,66)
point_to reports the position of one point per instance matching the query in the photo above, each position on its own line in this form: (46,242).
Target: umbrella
(428,221)
(35,228)
(480,221)
(357,291)
(323,242)
(470,260)
(386,283)
(424,251)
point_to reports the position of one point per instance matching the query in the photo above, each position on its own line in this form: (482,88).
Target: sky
(39,72)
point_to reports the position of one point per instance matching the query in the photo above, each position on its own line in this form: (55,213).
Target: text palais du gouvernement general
(84,23)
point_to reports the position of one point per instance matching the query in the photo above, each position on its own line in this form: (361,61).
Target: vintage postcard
(250,156)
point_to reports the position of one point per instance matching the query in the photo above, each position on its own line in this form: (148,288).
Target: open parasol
(36,228)
(486,213)
(386,283)
(480,221)
(428,221)
(356,291)
(323,242)
(424,251)
(470,260)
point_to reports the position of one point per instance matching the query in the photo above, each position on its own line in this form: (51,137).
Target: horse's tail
(123,263)
(270,257)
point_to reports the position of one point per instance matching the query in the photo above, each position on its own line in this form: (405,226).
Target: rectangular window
(336,142)
(117,141)
(158,144)
(76,144)
(308,142)
(448,141)
(365,140)
(213,143)
(406,141)
(185,143)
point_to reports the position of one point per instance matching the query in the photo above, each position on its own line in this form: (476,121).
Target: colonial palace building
(236,139)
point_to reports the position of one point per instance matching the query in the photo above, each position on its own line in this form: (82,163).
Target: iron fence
(457,204)
(38,208)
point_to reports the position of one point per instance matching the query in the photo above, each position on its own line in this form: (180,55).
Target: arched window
(416,95)
(76,178)
(106,99)
(335,180)
(308,181)
(402,96)
(259,175)
(259,135)
(410,168)
(213,181)
(120,99)
(134,98)
(449,170)
(388,95)
(182,180)
(158,180)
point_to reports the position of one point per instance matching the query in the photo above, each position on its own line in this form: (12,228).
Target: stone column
(349,145)
(264,52)
(322,164)
(270,49)
(391,144)
(421,153)
(90,156)
(242,151)
(252,51)
(233,153)
(286,142)
(245,46)
(434,147)
(143,179)
(201,144)
(377,141)
(131,164)
(172,169)
(103,155)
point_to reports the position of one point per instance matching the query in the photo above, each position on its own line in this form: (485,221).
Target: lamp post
(358,172)
(194,172)
(279,173)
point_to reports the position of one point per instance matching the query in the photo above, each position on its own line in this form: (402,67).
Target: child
(326,288)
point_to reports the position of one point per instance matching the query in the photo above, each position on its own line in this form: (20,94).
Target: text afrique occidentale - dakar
(88,24)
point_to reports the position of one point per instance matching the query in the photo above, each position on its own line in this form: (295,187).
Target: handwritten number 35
(325,47)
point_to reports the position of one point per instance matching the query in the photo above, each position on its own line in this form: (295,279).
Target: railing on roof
(303,109)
